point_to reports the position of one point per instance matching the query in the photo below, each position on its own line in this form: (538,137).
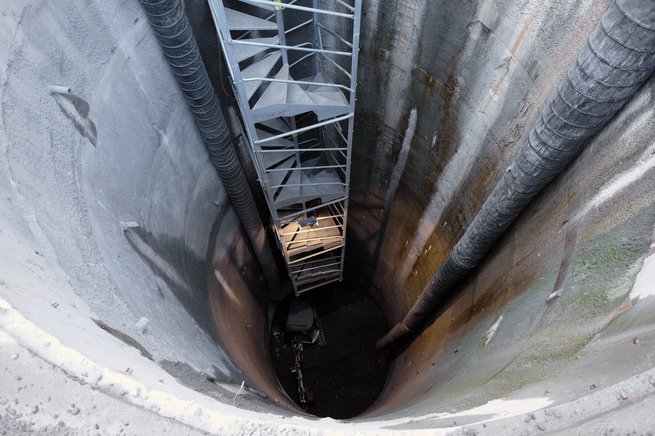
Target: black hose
(171,26)
(618,58)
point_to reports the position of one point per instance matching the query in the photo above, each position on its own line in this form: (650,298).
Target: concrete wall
(478,73)
(112,215)
(109,209)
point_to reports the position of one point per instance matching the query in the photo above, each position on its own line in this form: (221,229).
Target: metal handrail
(339,149)
(338,129)
(307,184)
(342,69)
(301,59)
(320,238)
(321,260)
(267,19)
(304,129)
(346,5)
(317,267)
(298,213)
(293,29)
(323,283)
(306,149)
(310,230)
(301,8)
(289,47)
(336,35)
(313,276)
(321,167)
(322,218)
(298,82)
(314,255)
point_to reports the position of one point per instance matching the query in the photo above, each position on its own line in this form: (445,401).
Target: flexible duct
(171,26)
(618,58)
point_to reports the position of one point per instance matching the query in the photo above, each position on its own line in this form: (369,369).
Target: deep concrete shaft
(99,220)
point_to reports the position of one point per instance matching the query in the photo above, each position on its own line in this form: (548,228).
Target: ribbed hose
(618,58)
(172,29)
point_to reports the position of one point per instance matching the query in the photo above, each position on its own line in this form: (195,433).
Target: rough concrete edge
(567,415)
(225,419)
(219,419)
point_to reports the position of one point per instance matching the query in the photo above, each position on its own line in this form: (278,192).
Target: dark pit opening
(344,376)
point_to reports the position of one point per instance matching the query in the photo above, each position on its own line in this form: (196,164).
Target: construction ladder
(293,66)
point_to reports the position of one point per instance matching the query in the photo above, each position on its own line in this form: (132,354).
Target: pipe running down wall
(170,24)
(617,60)
(129,286)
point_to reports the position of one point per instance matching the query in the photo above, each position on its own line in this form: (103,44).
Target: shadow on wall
(225,294)
(189,276)
(76,109)
(238,302)
(176,266)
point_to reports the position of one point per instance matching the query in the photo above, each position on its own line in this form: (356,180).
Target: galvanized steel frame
(337,214)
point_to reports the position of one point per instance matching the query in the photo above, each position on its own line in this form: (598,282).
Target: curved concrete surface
(111,217)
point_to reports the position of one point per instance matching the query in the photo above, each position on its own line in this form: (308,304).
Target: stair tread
(328,97)
(324,112)
(244,52)
(295,248)
(318,78)
(294,179)
(323,92)
(325,176)
(309,238)
(261,68)
(276,143)
(332,191)
(276,177)
(290,194)
(315,274)
(239,21)
(277,124)
(289,99)
(271,159)
(309,190)
(276,93)
(328,245)
(325,228)
(295,102)
(297,96)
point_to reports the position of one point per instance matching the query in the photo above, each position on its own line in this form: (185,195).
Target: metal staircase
(294,70)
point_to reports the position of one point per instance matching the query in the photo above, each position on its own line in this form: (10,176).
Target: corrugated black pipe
(172,29)
(617,59)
